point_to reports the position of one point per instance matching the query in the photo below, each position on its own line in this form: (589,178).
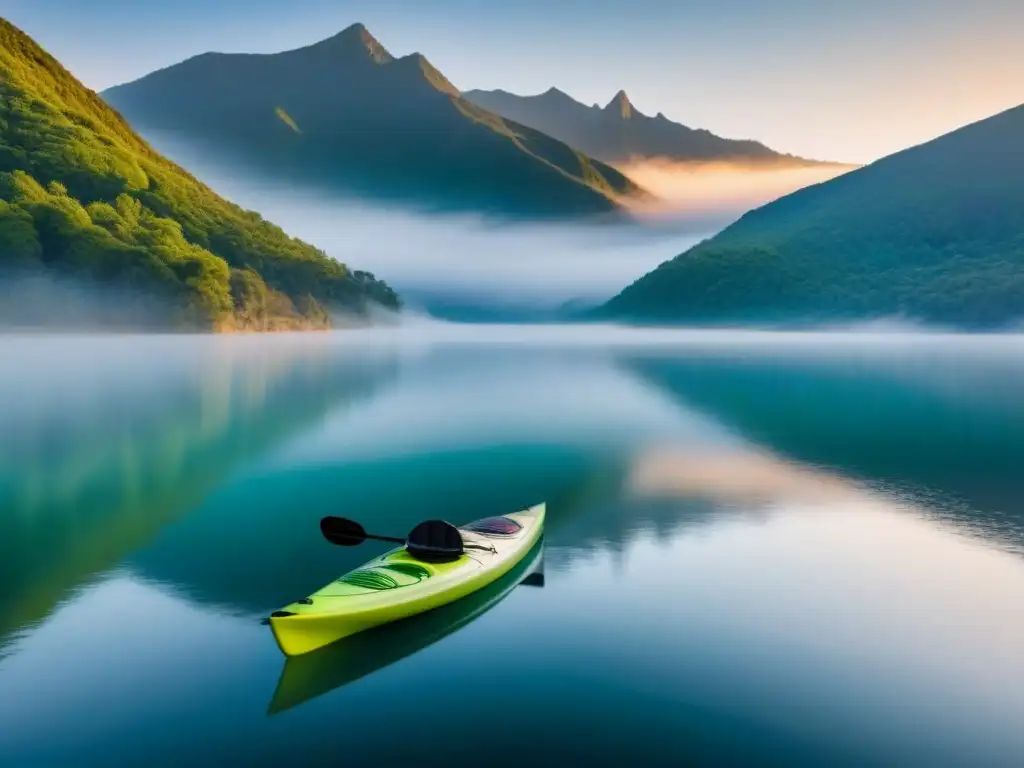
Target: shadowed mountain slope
(345,115)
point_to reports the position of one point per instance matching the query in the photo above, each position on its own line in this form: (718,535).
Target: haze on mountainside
(686,168)
(85,202)
(463,266)
(346,116)
(934,233)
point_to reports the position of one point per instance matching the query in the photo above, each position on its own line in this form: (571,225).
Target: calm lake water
(762,549)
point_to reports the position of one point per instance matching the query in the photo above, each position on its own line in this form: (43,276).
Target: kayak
(397,585)
(326,669)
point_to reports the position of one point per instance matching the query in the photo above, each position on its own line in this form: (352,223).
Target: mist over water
(44,301)
(794,548)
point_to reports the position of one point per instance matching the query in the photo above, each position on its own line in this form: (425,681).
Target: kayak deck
(397,585)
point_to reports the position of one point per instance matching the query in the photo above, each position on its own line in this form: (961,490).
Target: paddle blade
(344,533)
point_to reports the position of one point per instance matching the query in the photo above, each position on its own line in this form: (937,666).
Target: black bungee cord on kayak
(438,541)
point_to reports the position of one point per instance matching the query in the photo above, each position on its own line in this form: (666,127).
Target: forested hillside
(82,196)
(934,233)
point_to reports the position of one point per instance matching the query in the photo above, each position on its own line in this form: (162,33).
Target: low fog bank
(722,188)
(49,302)
(471,267)
(438,259)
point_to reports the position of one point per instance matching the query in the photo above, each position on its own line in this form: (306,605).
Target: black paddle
(349,533)
(432,541)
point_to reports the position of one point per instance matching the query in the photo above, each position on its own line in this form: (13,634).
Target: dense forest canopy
(82,195)
(934,233)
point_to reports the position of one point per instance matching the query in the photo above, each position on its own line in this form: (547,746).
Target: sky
(828,79)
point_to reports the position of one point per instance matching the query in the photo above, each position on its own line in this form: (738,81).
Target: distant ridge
(619,132)
(346,115)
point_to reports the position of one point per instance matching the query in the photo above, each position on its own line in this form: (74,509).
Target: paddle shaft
(392,539)
(352,533)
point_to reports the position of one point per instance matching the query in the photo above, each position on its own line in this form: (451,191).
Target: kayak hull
(310,675)
(396,585)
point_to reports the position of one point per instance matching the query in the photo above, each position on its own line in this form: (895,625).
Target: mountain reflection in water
(741,527)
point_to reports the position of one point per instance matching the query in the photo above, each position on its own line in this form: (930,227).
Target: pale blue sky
(836,80)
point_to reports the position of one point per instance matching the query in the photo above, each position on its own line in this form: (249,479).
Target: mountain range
(347,116)
(934,233)
(82,196)
(619,132)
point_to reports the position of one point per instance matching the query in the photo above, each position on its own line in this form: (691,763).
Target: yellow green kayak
(397,585)
(326,669)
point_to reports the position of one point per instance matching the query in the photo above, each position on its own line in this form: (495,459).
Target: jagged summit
(356,37)
(356,30)
(621,105)
(356,41)
(429,72)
